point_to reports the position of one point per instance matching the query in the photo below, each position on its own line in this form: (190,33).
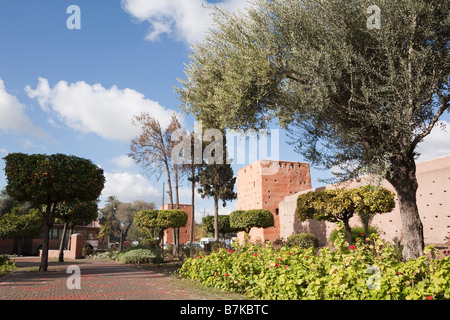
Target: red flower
(277,265)
(217,274)
(217,250)
(291,253)
(352,247)
(226,274)
(255,255)
(279,259)
(285,267)
(430,297)
(361,234)
(305,256)
(399,273)
(230,251)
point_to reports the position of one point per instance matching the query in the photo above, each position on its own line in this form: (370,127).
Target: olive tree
(353,94)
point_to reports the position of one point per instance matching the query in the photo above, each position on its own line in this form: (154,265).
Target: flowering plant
(366,270)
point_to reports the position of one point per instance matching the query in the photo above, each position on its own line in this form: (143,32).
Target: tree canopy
(336,205)
(353,97)
(246,220)
(47,181)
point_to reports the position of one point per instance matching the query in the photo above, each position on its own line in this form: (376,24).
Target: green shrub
(111,254)
(6,265)
(303,240)
(357,232)
(150,243)
(140,256)
(367,270)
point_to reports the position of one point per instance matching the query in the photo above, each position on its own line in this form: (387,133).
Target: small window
(277,211)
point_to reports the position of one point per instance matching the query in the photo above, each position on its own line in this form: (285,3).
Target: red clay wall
(184,231)
(264,184)
(433,202)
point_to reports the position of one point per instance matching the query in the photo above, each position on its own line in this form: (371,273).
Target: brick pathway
(99,281)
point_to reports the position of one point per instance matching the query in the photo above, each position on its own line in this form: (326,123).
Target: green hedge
(367,270)
(6,265)
(140,256)
(303,240)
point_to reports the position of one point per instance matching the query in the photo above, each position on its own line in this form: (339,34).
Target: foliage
(6,265)
(366,271)
(47,181)
(51,179)
(140,256)
(357,232)
(341,204)
(146,218)
(163,219)
(352,97)
(18,224)
(171,219)
(245,220)
(303,240)
(77,212)
(223,222)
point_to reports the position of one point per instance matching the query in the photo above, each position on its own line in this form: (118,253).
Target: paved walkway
(99,281)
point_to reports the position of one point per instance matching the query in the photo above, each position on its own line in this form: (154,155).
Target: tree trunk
(192,200)
(161,235)
(61,244)
(348,230)
(176,238)
(44,258)
(20,246)
(403,178)
(216,218)
(70,234)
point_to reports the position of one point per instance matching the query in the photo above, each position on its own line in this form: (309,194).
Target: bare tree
(152,150)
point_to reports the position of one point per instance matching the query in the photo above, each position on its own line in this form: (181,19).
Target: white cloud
(12,115)
(185,20)
(95,109)
(436,144)
(123,161)
(128,187)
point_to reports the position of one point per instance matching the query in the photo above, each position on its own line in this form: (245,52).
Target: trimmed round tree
(246,220)
(47,181)
(336,205)
(223,223)
(162,219)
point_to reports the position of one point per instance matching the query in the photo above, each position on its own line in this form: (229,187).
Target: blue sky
(75,91)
